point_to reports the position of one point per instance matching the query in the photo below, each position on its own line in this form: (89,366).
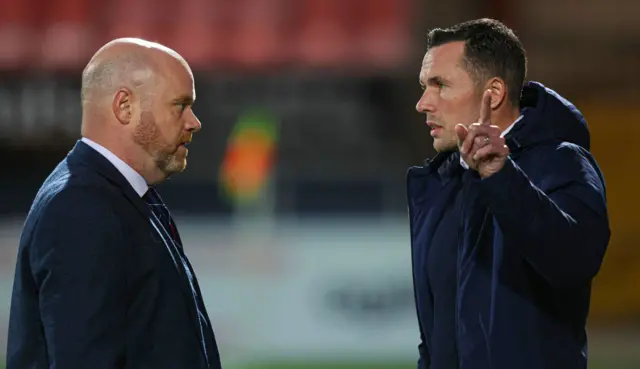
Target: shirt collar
(134,178)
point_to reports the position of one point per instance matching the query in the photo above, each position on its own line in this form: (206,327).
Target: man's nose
(425,105)
(193,124)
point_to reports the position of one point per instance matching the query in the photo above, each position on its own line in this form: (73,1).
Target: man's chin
(441,146)
(173,167)
(182,165)
(178,167)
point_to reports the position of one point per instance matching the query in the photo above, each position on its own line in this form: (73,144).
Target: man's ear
(123,106)
(498,92)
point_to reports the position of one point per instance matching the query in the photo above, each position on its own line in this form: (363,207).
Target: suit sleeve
(79,270)
(423,361)
(564,229)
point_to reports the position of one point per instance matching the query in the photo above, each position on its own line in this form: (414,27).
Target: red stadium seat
(256,40)
(18,33)
(67,38)
(385,32)
(323,39)
(139,18)
(195,32)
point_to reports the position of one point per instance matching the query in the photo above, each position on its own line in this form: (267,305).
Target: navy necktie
(160,210)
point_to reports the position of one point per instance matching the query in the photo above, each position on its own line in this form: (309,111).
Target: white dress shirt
(134,178)
(466,166)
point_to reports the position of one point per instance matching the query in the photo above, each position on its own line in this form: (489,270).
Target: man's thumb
(461,132)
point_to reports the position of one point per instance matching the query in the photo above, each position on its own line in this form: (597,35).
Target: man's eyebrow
(431,81)
(436,81)
(184,99)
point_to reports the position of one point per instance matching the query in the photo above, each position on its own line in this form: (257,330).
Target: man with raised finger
(509,221)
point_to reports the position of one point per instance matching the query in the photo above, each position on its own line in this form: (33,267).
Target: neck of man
(142,162)
(506,118)
(131,154)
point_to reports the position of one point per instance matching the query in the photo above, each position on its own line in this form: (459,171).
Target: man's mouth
(183,145)
(435,128)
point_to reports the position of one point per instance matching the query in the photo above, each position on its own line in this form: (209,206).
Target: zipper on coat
(460,245)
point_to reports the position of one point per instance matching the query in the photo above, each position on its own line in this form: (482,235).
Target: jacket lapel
(180,267)
(84,154)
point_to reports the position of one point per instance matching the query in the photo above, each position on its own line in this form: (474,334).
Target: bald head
(130,63)
(136,102)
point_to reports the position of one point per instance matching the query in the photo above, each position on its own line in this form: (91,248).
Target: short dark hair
(491,49)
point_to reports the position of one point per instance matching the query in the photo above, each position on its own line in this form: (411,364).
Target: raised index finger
(485,109)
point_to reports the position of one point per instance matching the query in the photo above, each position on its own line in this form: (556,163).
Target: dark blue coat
(531,239)
(95,286)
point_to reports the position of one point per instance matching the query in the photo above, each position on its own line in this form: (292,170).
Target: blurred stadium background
(293,207)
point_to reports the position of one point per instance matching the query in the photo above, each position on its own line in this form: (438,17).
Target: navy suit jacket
(95,286)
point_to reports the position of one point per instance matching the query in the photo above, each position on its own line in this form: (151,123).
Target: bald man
(102,280)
